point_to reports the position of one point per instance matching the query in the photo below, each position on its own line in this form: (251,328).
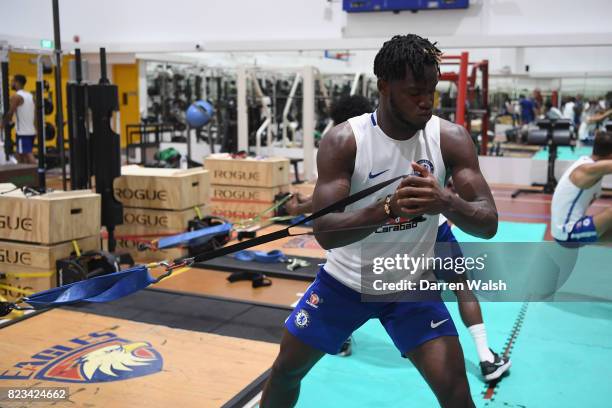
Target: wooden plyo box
(131,247)
(239,211)
(249,172)
(166,189)
(20,257)
(49,218)
(255,195)
(43,280)
(144,221)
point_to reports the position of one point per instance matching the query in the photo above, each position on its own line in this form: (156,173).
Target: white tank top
(570,203)
(25,115)
(380,158)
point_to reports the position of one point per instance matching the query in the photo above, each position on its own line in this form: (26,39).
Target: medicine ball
(199,113)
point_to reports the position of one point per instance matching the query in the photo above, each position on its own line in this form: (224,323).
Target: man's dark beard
(400,118)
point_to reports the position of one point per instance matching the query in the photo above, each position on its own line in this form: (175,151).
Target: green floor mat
(561,358)
(508,232)
(376,376)
(590,278)
(565,153)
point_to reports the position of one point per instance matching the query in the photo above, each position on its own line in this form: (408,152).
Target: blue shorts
(25,143)
(449,247)
(329,312)
(583,231)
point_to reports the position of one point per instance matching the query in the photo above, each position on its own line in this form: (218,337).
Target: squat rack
(466,87)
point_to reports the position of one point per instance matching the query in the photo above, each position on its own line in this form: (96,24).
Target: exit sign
(46,44)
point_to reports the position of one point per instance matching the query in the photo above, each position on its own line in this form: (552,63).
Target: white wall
(188,21)
(163,21)
(503,31)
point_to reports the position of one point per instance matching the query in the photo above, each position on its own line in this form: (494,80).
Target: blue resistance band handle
(274,256)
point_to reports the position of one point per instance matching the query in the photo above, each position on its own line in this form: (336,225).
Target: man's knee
(288,372)
(453,391)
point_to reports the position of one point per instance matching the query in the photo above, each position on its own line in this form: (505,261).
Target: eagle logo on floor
(97,357)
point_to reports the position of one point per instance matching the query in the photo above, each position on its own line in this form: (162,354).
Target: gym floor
(214,341)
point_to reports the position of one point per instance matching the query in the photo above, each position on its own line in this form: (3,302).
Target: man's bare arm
(599,117)
(586,175)
(335,163)
(472,209)
(14,103)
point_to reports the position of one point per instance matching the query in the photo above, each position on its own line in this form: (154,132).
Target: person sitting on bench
(577,189)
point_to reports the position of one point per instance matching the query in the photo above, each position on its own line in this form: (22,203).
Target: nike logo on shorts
(434,325)
(377,174)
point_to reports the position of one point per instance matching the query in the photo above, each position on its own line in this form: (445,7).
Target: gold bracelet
(387,207)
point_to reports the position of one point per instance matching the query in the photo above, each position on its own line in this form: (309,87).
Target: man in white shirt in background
(568,109)
(577,189)
(21,104)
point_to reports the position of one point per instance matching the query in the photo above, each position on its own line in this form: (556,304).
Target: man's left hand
(424,192)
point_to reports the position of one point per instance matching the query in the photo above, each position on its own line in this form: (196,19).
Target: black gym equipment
(78,133)
(48,106)
(147,136)
(8,142)
(103,100)
(59,116)
(41,136)
(49,131)
(278,269)
(281,211)
(550,133)
(208,244)
(89,265)
(97,153)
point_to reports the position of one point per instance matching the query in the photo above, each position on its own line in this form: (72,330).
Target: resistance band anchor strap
(273,236)
(116,285)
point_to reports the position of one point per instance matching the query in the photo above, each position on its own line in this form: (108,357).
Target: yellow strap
(177,272)
(252,221)
(198,212)
(15,314)
(15,289)
(76,247)
(29,274)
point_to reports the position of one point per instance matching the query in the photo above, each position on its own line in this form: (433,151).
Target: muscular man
(401,137)
(492,365)
(21,104)
(577,189)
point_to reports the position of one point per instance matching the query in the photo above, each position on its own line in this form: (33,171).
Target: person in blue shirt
(527,110)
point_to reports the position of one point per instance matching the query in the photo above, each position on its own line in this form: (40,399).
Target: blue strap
(99,289)
(273,236)
(197,237)
(119,284)
(261,256)
(298,219)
